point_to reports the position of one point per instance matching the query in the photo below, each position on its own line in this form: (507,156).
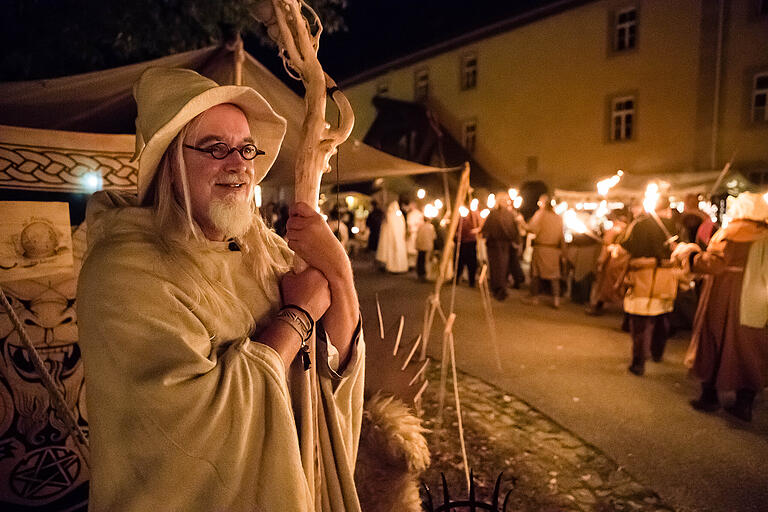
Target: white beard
(232,218)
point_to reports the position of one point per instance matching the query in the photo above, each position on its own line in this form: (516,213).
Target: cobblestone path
(546,467)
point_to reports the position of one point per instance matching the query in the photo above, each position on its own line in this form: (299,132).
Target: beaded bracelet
(303,328)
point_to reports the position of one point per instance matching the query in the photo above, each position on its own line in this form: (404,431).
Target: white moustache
(232,179)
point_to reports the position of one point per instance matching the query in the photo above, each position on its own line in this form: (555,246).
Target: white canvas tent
(69,133)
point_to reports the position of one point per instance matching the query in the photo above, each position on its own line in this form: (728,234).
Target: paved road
(572,368)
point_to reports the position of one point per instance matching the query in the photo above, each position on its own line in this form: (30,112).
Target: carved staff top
(297,37)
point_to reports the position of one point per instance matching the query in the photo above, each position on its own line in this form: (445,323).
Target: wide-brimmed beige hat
(169,98)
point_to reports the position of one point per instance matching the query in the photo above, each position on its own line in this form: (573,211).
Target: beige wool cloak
(187,411)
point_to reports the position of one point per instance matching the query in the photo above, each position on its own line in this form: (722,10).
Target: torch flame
(573,222)
(607,184)
(602,210)
(651,197)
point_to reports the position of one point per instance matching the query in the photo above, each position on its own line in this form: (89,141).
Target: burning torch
(650,202)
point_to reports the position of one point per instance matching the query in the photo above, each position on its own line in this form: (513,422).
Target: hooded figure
(191,323)
(729,345)
(391,252)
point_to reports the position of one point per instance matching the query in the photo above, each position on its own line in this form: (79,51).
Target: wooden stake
(458,410)
(381,322)
(419,373)
(488,307)
(410,354)
(399,335)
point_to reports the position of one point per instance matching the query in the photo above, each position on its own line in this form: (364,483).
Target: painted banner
(35,240)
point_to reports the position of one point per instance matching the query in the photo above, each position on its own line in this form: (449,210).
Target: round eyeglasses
(221,150)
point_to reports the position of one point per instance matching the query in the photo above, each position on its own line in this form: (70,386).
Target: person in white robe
(414,218)
(391,252)
(195,332)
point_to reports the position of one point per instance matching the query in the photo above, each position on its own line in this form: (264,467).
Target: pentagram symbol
(45,472)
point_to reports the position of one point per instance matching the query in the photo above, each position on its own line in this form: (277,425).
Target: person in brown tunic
(547,249)
(611,269)
(500,232)
(725,354)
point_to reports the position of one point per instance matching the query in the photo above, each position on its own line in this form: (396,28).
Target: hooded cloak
(188,411)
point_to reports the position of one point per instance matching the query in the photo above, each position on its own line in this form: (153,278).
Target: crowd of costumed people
(664,264)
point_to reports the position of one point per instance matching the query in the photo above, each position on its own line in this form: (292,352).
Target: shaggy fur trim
(393,453)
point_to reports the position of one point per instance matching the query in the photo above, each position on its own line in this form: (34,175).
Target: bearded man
(191,322)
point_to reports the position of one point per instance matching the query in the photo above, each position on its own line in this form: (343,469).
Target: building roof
(413,132)
(524,15)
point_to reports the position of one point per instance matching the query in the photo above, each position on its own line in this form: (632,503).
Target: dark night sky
(379,31)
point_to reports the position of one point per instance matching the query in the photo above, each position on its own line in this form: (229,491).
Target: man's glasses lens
(248,151)
(221,151)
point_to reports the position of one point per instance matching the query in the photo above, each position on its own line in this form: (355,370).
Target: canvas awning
(77,107)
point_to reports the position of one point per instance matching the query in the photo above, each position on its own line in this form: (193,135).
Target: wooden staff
(298,47)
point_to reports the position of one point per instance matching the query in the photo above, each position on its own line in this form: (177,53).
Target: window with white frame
(625,30)
(759,97)
(421,84)
(622,118)
(469,135)
(468,71)
(382,88)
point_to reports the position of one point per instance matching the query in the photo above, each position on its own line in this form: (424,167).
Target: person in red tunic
(729,346)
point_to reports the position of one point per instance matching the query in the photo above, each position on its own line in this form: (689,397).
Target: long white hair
(266,255)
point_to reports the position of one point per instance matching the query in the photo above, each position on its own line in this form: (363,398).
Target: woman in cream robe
(392,252)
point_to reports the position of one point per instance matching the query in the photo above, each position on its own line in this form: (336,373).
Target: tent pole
(446,191)
(238,56)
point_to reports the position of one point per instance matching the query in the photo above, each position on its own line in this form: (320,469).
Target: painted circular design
(39,240)
(45,473)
